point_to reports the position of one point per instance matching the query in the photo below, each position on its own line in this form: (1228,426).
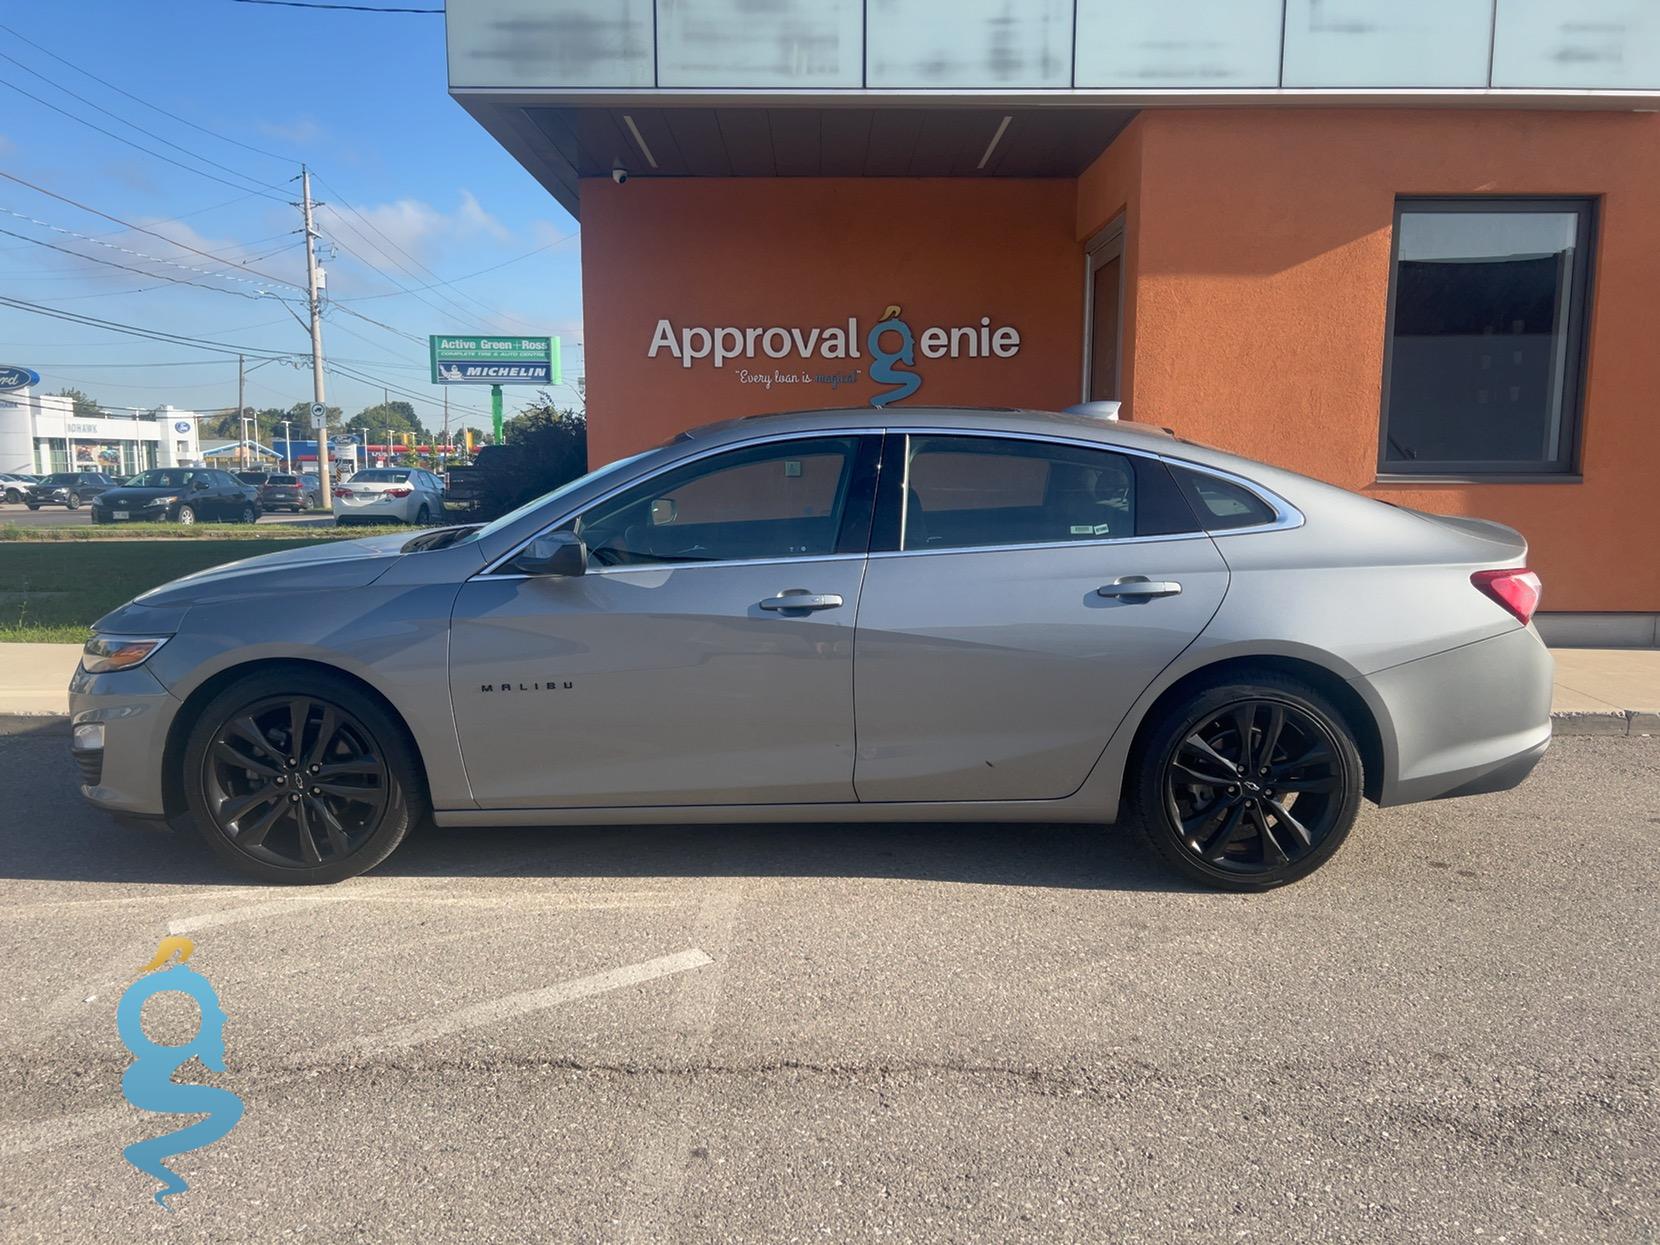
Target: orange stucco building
(1440,297)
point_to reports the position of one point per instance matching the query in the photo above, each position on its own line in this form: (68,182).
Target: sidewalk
(1599,691)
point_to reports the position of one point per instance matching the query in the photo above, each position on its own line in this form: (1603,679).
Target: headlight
(162,501)
(104,653)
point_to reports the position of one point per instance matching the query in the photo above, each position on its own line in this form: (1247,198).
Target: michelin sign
(495,360)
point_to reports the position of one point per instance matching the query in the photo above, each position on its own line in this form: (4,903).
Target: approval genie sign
(890,342)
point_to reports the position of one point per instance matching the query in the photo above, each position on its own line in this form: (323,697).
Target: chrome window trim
(1286,518)
(657,568)
(759,439)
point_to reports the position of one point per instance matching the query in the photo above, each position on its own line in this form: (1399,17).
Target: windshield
(283,480)
(513,516)
(173,478)
(381,475)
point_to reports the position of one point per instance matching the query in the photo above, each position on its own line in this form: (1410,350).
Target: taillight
(342,492)
(1516,589)
(399,492)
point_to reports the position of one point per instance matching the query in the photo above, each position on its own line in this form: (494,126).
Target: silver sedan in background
(390,495)
(842,615)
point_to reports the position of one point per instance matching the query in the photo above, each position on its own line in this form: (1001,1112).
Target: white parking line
(513,1005)
(250,912)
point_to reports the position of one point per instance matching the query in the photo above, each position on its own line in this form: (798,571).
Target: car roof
(973,419)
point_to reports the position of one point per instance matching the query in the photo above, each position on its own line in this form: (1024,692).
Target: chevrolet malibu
(838,616)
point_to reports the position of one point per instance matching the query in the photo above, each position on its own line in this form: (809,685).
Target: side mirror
(560,553)
(200,485)
(664,510)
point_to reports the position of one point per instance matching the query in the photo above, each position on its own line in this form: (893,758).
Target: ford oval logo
(182,425)
(17,378)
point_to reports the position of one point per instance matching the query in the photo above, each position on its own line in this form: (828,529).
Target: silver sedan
(842,615)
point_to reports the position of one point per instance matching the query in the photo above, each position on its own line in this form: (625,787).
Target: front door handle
(801,599)
(1139,588)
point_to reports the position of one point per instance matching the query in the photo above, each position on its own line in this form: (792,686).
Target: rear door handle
(1139,588)
(801,599)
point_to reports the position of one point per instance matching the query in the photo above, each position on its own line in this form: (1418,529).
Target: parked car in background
(253,478)
(67,488)
(391,495)
(14,485)
(1056,619)
(313,488)
(178,495)
(283,492)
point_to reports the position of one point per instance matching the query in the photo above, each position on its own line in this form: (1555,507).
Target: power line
(133,330)
(350,8)
(129,142)
(93,259)
(52,194)
(135,126)
(168,220)
(137,100)
(363,298)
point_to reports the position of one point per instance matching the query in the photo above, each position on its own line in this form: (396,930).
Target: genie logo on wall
(893,346)
(149,1085)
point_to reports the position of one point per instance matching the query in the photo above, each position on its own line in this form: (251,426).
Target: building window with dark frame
(1486,344)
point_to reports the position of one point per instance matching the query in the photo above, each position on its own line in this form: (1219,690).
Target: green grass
(279,533)
(50,594)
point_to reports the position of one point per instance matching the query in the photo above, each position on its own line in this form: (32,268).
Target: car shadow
(49,834)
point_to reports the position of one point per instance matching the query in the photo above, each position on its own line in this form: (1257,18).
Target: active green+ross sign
(495,360)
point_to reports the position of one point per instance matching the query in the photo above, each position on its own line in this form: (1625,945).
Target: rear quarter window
(1222,505)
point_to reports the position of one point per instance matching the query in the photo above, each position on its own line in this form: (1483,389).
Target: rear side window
(1220,504)
(979,492)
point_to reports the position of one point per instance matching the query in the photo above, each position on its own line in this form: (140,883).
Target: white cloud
(299,131)
(412,225)
(547,232)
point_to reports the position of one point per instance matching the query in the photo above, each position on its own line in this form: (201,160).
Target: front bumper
(1472,720)
(135,711)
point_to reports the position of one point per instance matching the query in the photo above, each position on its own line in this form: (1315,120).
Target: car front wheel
(249,514)
(74,502)
(1249,784)
(186,514)
(301,778)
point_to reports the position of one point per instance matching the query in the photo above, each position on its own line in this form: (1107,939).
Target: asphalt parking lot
(58,516)
(859,1033)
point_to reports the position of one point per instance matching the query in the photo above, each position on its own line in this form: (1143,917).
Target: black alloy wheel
(294,781)
(1250,785)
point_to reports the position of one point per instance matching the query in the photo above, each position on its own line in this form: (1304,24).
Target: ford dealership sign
(17,378)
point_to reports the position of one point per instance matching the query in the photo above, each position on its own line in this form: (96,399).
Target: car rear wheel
(423,516)
(187,513)
(74,502)
(301,778)
(33,505)
(1249,784)
(249,514)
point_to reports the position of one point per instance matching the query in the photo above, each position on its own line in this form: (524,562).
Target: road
(837,1033)
(58,516)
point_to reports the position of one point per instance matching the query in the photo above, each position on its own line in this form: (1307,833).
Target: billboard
(460,359)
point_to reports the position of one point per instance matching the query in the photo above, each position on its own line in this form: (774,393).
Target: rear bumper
(1469,721)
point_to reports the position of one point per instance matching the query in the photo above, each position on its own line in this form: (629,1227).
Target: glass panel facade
(550,43)
(1016,43)
(1486,337)
(1179,43)
(799,44)
(1589,45)
(1387,43)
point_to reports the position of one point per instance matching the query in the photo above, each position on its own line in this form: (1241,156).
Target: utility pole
(325,487)
(446,439)
(287,446)
(241,405)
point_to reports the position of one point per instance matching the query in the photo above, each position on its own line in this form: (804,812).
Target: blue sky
(361,98)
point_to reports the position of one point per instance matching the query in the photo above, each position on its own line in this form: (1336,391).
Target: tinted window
(251,477)
(382,475)
(283,480)
(1486,336)
(165,478)
(969,492)
(789,499)
(1221,505)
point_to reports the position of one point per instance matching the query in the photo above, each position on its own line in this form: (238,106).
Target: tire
(1246,830)
(33,505)
(423,516)
(367,824)
(185,514)
(74,502)
(13,497)
(248,515)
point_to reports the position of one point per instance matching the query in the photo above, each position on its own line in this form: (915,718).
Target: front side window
(786,499)
(1486,337)
(977,492)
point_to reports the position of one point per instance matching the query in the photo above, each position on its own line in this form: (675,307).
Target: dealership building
(1411,247)
(40,434)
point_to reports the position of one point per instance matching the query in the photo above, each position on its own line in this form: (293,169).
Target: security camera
(619,175)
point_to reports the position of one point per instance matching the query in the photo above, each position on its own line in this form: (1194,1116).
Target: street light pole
(325,487)
(287,446)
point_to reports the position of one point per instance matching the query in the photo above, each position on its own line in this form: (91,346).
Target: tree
(372,422)
(85,407)
(542,448)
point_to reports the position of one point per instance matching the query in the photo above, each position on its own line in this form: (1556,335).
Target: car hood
(333,564)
